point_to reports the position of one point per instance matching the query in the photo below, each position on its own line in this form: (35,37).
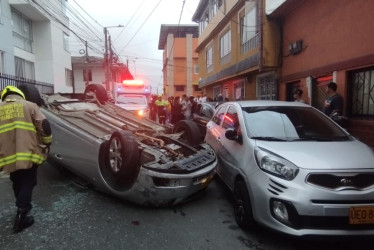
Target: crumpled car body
(123,155)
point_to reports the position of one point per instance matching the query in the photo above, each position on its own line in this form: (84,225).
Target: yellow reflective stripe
(17,124)
(47,139)
(37,159)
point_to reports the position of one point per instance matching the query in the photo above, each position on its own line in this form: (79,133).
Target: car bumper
(158,189)
(312,210)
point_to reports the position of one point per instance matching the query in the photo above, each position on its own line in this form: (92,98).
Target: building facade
(180,61)
(91,70)
(239,50)
(34,42)
(325,41)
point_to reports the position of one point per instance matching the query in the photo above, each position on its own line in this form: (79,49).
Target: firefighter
(25,136)
(153,108)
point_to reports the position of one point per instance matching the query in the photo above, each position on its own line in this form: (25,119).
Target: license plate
(361,215)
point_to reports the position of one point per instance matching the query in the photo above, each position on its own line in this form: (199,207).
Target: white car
(293,169)
(137,103)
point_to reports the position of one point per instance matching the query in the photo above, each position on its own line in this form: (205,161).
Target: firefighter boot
(22,221)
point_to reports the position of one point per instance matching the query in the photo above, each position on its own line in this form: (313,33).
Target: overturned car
(121,154)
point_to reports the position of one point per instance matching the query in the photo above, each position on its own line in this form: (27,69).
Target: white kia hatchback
(293,169)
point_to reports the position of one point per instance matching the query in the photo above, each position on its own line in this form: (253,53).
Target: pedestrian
(334,102)
(297,93)
(161,109)
(187,109)
(193,105)
(153,108)
(176,112)
(25,136)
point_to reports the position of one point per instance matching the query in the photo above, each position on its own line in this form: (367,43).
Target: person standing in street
(161,105)
(334,102)
(25,136)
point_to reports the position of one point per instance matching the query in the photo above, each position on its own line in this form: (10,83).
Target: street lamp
(107,62)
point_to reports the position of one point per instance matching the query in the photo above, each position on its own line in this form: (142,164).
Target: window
(225,47)
(209,59)
(219,115)
(1,13)
(22,31)
(2,62)
(249,31)
(231,119)
(361,84)
(66,42)
(63,6)
(87,75)
(68,77)
(179,88)
(24,68)
(267,87)
(216,91)
(196,69)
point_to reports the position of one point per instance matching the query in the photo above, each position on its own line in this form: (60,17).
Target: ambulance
(133,95)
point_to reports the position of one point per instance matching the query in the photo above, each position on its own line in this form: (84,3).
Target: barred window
(361,85)
(209,59)
(249,31)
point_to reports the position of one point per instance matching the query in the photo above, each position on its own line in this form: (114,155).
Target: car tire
(95,91)
(191,131)
(242,206)
(31,94)
(123,158)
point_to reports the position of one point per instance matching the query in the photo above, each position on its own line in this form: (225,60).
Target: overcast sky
(137,42)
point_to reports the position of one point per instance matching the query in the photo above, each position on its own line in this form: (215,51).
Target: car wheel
(191,131)
(95,92)
(123,159)
(31,94)
(242,206)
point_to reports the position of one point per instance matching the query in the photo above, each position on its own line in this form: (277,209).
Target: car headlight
(275,165)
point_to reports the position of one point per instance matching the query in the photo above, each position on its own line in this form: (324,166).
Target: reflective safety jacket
(24,134)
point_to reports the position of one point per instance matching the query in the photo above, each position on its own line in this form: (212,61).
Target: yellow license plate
(361,215)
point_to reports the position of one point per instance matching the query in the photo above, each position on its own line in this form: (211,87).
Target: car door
(232,152)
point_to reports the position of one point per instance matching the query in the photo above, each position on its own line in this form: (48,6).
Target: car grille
(342,180)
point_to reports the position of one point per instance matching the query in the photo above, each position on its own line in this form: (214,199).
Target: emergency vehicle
(133,95)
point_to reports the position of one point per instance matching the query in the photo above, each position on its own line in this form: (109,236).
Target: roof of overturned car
(122,154)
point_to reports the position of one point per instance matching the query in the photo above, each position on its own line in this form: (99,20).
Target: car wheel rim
(115,158)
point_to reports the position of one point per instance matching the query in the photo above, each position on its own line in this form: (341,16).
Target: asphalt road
(70,217)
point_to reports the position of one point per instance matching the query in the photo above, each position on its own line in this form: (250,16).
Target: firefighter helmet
(11,90)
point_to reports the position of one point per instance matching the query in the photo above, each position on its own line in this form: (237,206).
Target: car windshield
(281,123)
(131,99)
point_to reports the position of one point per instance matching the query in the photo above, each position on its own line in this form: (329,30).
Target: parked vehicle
(200,118)
(120,154)
(293,169)
(135,103)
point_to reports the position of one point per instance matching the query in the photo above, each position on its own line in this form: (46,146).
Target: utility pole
(108,58)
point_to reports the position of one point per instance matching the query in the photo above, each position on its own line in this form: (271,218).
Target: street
(71,217)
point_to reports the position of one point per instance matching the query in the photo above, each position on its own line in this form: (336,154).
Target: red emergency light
(133,83)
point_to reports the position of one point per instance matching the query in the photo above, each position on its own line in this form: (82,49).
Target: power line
(141,25)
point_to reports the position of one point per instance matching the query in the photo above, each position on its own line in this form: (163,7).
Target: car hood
(132,106)
(323,155)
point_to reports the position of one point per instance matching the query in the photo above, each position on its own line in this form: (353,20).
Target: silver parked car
(121,154)
(293,169)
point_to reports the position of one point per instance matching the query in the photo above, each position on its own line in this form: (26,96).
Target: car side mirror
(231,134)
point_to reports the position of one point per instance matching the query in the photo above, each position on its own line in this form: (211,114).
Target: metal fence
(43,87)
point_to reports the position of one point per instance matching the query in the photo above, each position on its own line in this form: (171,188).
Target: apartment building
(326,41)
(239,50)
(34,42)
(180,61)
